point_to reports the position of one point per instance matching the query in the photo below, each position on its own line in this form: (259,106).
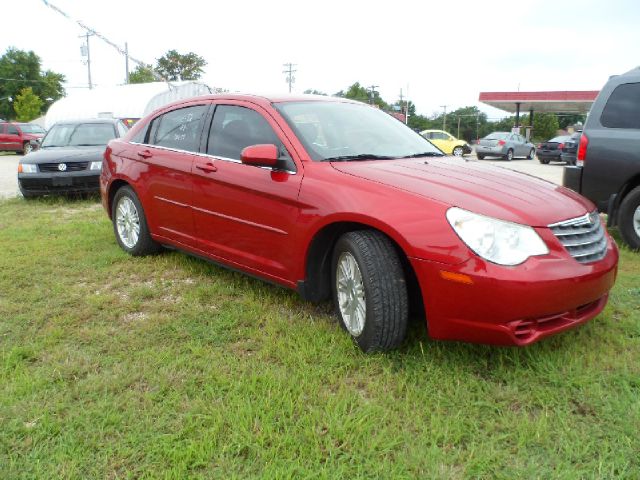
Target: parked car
(608,159)
(570,149)
(334,198)
(506,145)
(70,158)
(447,142)
(18,137)
(551,150)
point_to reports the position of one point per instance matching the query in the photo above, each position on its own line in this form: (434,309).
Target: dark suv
(608,160)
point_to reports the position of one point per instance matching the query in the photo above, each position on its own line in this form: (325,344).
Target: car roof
(110,121)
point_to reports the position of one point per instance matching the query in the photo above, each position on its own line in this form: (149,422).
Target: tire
(532,154)
(368,281)
(480,156)
(130,224)
(458,151)
(629,219)
(544,161)
(26,148)
(509,156)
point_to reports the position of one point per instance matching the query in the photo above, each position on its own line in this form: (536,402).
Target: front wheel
(369,290)
(629,219)
(532,154)
(130,224)
(27,148)
(458,151)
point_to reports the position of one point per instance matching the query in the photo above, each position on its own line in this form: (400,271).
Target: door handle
(145,154)
(207,167)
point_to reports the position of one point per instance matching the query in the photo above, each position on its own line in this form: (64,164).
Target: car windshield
(497,136)
(79,134)
(31,128)
(344,131)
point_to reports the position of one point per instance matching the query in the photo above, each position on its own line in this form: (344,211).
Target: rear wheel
(458,151)
(480,156)
(544,161)
(369,290)
(532,154)
(509,156)
(629,219)
(130,224)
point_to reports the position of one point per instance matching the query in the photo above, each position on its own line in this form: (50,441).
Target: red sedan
(334,198)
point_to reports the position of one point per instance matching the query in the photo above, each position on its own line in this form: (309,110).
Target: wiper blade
(361,156)
(424,154)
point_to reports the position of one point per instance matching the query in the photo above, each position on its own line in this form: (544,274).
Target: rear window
(497,136)
(623,107)
(560,139)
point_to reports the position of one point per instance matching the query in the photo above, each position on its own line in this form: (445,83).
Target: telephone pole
(126,63)
(290,71)
(372,92)
(444,118)
(86,52)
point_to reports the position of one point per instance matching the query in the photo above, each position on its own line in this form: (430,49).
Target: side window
(623,107)
(234,128)
(12,130)
(179,129)
(428,135)
(3,128)
(141,136)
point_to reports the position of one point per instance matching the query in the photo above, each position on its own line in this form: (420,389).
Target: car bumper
(548,155)
(497,150)
(572,178)
(46,183)
(513,305)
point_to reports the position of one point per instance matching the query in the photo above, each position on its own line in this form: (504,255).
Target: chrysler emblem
(62,167)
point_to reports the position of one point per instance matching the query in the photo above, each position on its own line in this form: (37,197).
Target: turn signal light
(19,168)
(456,277)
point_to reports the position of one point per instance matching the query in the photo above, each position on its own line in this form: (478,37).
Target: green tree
(361,94)
(545,126)
(175,66)
(20,69)
(27,105)
(311,91)
(142,74)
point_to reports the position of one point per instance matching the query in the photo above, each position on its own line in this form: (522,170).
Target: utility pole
(86,52)
(126,63)
(372,91)
(290,71)
(444,118)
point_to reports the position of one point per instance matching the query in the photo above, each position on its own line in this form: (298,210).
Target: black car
(551,150)
(570,149)
(607,169)
(69,159)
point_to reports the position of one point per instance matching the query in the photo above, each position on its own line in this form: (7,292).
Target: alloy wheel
(350,290)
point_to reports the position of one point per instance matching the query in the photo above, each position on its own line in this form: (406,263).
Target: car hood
(493,191)
(66,154)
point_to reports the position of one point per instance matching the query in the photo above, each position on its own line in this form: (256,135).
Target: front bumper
(514,305)
(63,182)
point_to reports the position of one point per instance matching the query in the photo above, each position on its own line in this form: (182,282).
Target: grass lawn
(167,366)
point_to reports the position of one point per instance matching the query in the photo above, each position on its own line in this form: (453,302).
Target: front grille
(583,237)
(71,167)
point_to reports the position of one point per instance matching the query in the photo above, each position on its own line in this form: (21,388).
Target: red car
(334,198)
(18,137)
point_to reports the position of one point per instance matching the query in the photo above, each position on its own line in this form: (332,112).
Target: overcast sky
(444,52)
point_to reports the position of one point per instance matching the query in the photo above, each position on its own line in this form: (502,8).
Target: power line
(91,31)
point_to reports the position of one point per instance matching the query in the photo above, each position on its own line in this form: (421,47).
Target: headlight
(28,168)
(96,165)
(500,242)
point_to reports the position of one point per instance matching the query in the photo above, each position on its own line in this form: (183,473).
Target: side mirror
(265,155)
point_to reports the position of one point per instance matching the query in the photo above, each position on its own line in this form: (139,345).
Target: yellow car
(446,142)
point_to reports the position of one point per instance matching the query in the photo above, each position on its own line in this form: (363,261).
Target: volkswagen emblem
(62,167)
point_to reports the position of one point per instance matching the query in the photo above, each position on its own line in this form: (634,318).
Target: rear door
(173,143)
(245,215)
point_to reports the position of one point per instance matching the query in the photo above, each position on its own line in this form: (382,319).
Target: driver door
(246,215)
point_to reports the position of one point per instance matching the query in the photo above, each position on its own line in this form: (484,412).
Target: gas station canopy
(542,102)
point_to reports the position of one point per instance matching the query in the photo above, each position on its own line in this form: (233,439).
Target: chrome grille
(583,237)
